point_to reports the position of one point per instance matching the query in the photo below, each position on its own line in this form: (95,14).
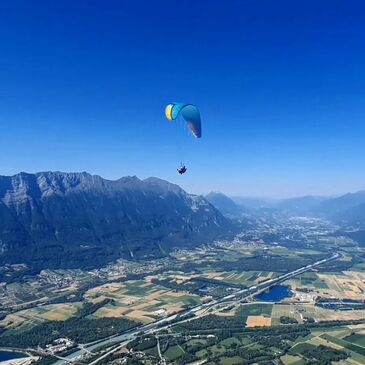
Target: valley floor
(321,318)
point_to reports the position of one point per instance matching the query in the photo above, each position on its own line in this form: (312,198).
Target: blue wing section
(192,116)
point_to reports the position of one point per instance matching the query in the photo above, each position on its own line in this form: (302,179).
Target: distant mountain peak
(224,204)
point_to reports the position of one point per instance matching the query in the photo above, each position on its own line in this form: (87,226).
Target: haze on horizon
(280,87)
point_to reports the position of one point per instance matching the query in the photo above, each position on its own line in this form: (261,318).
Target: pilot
(182,169)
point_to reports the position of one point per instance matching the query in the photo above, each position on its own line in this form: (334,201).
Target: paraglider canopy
(190,113)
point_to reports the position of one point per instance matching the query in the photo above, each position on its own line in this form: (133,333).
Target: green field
(300,348)
(356,338)
(292,360)
(173,352)
(311,279)
(186,299)
(135,288)
(350,346)
(286,310)
(152,351)
(235,360)
(230,341)
(254,310)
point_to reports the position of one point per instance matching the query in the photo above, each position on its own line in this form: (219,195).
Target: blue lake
(8,355)
(275,293)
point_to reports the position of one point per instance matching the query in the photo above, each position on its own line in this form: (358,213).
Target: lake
(8,355)
(275,293)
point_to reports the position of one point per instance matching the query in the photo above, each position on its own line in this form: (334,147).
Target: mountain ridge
(56,219)
(225,204)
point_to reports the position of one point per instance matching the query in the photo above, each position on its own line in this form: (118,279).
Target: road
(109,352)
(162,360)
(181,316)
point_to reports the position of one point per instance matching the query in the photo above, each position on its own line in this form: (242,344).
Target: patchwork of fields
(341,285)
(25,319)
(140,300)
(146,301)
(270,314)
(350,339)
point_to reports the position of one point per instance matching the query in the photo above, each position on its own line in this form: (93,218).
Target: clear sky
(280,86)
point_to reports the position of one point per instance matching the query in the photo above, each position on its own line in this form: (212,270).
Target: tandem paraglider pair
(191,115)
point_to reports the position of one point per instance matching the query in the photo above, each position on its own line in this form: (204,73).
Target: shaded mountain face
(55,219)
(349,208)
(224,204)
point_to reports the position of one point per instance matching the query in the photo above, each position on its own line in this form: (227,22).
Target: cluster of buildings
(56,279)
(304,296)
(161,313)
(59,345)
(123,268)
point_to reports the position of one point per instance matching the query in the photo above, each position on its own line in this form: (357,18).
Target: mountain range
(347,209)
(65,220)
(56,219)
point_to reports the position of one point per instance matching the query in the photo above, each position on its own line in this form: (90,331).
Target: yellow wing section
(168,110)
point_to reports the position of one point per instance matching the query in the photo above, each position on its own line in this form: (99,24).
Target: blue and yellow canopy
(190,113)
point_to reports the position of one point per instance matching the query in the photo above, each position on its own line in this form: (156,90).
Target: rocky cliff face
(55,219)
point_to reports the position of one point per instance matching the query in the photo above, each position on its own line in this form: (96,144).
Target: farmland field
(255,310)
(140,300)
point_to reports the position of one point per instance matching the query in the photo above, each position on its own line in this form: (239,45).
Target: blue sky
(280,86)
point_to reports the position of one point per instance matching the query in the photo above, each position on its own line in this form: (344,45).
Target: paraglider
(182,169)
(191,115)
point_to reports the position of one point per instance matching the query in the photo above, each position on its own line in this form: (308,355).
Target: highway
(180,317)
